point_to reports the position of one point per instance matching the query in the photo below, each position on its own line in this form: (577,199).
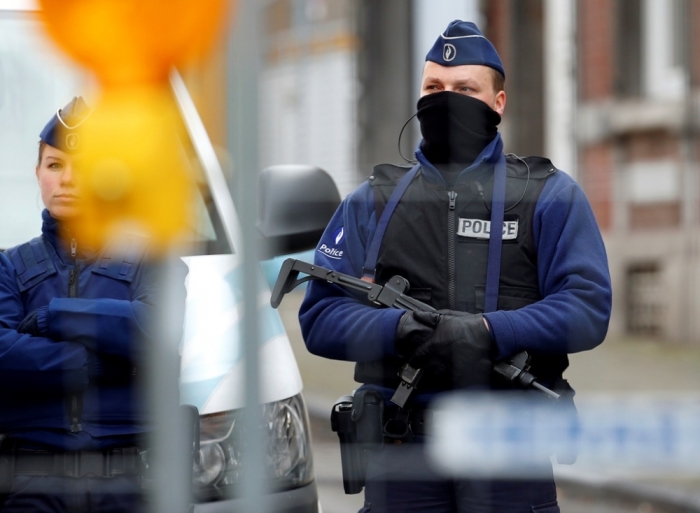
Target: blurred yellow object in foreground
(133,174)
(134,41)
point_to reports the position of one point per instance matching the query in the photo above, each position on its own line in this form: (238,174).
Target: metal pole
(689,195)
(243,74)
(169,454)
(560,84)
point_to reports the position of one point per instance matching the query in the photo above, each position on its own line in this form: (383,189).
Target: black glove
(460,348)
(412,333)
(30,324)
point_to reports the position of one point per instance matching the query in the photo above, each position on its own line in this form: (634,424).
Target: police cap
(60,132)
(463,43)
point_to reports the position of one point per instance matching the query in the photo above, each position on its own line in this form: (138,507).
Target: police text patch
(480,229)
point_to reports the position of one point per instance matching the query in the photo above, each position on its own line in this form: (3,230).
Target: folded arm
(574,280)
(33,363)
(115,326)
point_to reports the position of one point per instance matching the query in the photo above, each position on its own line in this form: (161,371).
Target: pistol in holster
(358,420)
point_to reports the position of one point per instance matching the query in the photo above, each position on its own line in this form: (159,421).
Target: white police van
(33,82)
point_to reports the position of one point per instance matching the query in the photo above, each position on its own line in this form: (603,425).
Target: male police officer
(507,249)
(73,327)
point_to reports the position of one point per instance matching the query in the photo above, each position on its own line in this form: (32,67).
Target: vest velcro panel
(32,263)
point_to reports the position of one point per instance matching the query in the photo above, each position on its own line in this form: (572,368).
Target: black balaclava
(455,128)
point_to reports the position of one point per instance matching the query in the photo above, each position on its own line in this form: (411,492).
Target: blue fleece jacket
(572,268)
(91,346)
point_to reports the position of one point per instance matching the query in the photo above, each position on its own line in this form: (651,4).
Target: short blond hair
(499,81)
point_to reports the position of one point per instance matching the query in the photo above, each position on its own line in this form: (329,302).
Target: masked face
(459,111)
(455,127)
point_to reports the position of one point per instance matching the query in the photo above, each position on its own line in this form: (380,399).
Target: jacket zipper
(452,195)
(75,400)
(73,282)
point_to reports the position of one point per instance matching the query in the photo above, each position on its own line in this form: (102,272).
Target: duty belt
(107,463)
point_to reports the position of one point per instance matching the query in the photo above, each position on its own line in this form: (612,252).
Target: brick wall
(596,48)
(596,170)
(595,76)
(654,145)
(655,216)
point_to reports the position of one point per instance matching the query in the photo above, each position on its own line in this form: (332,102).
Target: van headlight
(288,462)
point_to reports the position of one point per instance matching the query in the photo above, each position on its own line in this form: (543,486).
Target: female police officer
(540,284)
(73,322)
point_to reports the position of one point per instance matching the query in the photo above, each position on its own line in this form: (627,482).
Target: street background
(608,89)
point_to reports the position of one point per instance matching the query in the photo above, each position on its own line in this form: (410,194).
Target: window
(207,231)
(628,16)
(664,47)
(652,47)
(644,299)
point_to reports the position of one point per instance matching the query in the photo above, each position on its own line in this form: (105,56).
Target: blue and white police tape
(507,435)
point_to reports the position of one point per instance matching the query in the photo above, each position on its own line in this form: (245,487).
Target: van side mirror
(296,204)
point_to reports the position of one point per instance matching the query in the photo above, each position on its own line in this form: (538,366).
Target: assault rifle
(392,295)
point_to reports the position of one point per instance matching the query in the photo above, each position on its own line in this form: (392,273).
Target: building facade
(635,141)
(608,89)
(308,87)
(638,154)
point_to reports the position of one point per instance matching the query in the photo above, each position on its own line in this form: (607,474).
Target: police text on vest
(480,229)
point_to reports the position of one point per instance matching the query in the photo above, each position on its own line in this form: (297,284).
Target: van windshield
(207,230)
(34,80)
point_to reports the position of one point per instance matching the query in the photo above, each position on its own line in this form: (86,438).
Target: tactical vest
(438,238)
(34,262)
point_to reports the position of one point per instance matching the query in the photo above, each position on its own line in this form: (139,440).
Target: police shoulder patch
(330,249)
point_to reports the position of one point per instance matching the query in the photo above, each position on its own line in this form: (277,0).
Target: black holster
(358,420)
(7,465)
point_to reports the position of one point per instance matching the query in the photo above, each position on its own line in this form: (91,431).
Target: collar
(59,236)
(488,156)
(50,228)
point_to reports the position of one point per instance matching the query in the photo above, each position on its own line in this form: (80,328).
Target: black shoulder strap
(372,255)
(383,181)
(32,262)
(535,168)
